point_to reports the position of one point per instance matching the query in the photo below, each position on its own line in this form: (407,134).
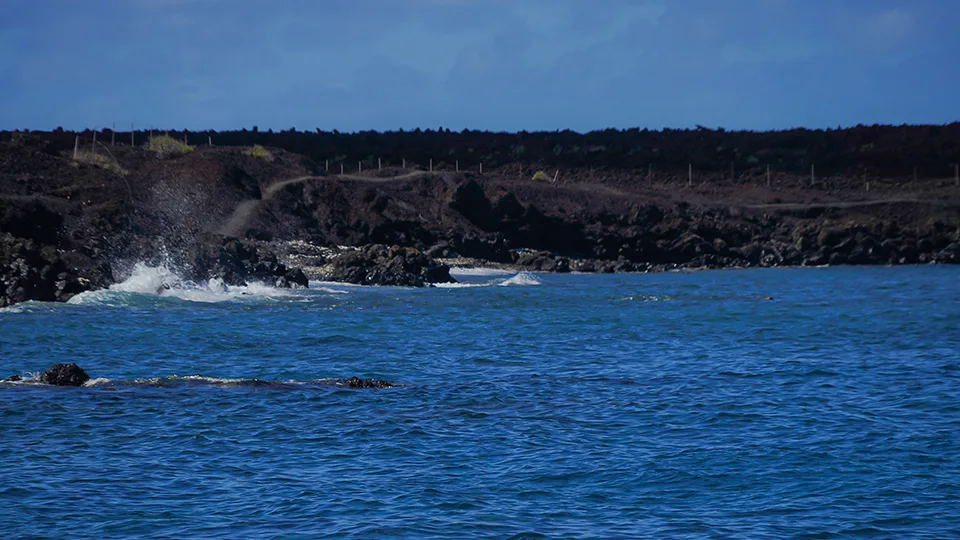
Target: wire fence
(97,151)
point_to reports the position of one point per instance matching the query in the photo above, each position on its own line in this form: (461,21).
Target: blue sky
(479,64)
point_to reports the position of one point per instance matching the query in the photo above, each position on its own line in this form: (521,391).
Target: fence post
(93,145)
(689,174)
(185,139)
(76,146)
(457,165)
(556,175)
(379,166)
(113,135)
(326,165)
(431,164)
(404,163)
(956,174)
(209,140)
(812,176)
(132,142)
(481,167)
(341,168)
(768,176)
(360,166)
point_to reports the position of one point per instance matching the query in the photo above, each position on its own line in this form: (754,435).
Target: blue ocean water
(679,405)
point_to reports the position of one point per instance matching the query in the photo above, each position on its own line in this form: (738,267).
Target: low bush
(165,145)
(259,152)
(99,160)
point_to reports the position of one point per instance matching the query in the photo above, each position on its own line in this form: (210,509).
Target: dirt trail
(849,204)
(244,211)
(608,190)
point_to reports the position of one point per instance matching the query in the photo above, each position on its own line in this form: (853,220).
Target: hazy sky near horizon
(478,64)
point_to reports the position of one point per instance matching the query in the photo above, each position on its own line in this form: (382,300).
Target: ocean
(767,403)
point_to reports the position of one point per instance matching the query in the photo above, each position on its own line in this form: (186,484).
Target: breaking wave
(161,281)
(521,279)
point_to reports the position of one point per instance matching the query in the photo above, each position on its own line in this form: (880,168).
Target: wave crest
(522,279)
(161,281)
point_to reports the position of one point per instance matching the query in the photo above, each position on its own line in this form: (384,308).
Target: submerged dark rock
(357,382)
(65,375)
(14,378)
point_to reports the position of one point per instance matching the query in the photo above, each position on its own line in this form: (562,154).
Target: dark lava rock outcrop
(233,261)
(64,375)
(357,382)
(385,265)
(30,271)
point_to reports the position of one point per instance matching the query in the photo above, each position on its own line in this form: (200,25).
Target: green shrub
(541,176)
(165,145)
(98,160)
(259,152)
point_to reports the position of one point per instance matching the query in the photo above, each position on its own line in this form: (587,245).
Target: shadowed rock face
(29,271)
(356,382)
(65,375)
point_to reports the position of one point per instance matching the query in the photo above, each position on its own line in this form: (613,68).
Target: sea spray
(148,281)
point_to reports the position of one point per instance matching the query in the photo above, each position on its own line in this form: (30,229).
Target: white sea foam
(522,279)
(163,282)
(478,272)
(319,286)
(147,279)
(329,284)
(212,380)
(25,378)
(644,298)
(462,285)
(97,382)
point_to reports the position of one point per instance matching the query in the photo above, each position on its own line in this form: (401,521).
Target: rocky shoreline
(68,226)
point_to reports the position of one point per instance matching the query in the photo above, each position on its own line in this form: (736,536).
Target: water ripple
(674,405)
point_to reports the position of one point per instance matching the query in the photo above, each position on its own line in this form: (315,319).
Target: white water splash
(148,279)
(457,271)
(463,285)
(522,279)
(161,281)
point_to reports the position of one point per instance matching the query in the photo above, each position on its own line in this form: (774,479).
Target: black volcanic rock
(357,382)
(64,375)
(29,271)
(233,261)
(487,248)
(378,264)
